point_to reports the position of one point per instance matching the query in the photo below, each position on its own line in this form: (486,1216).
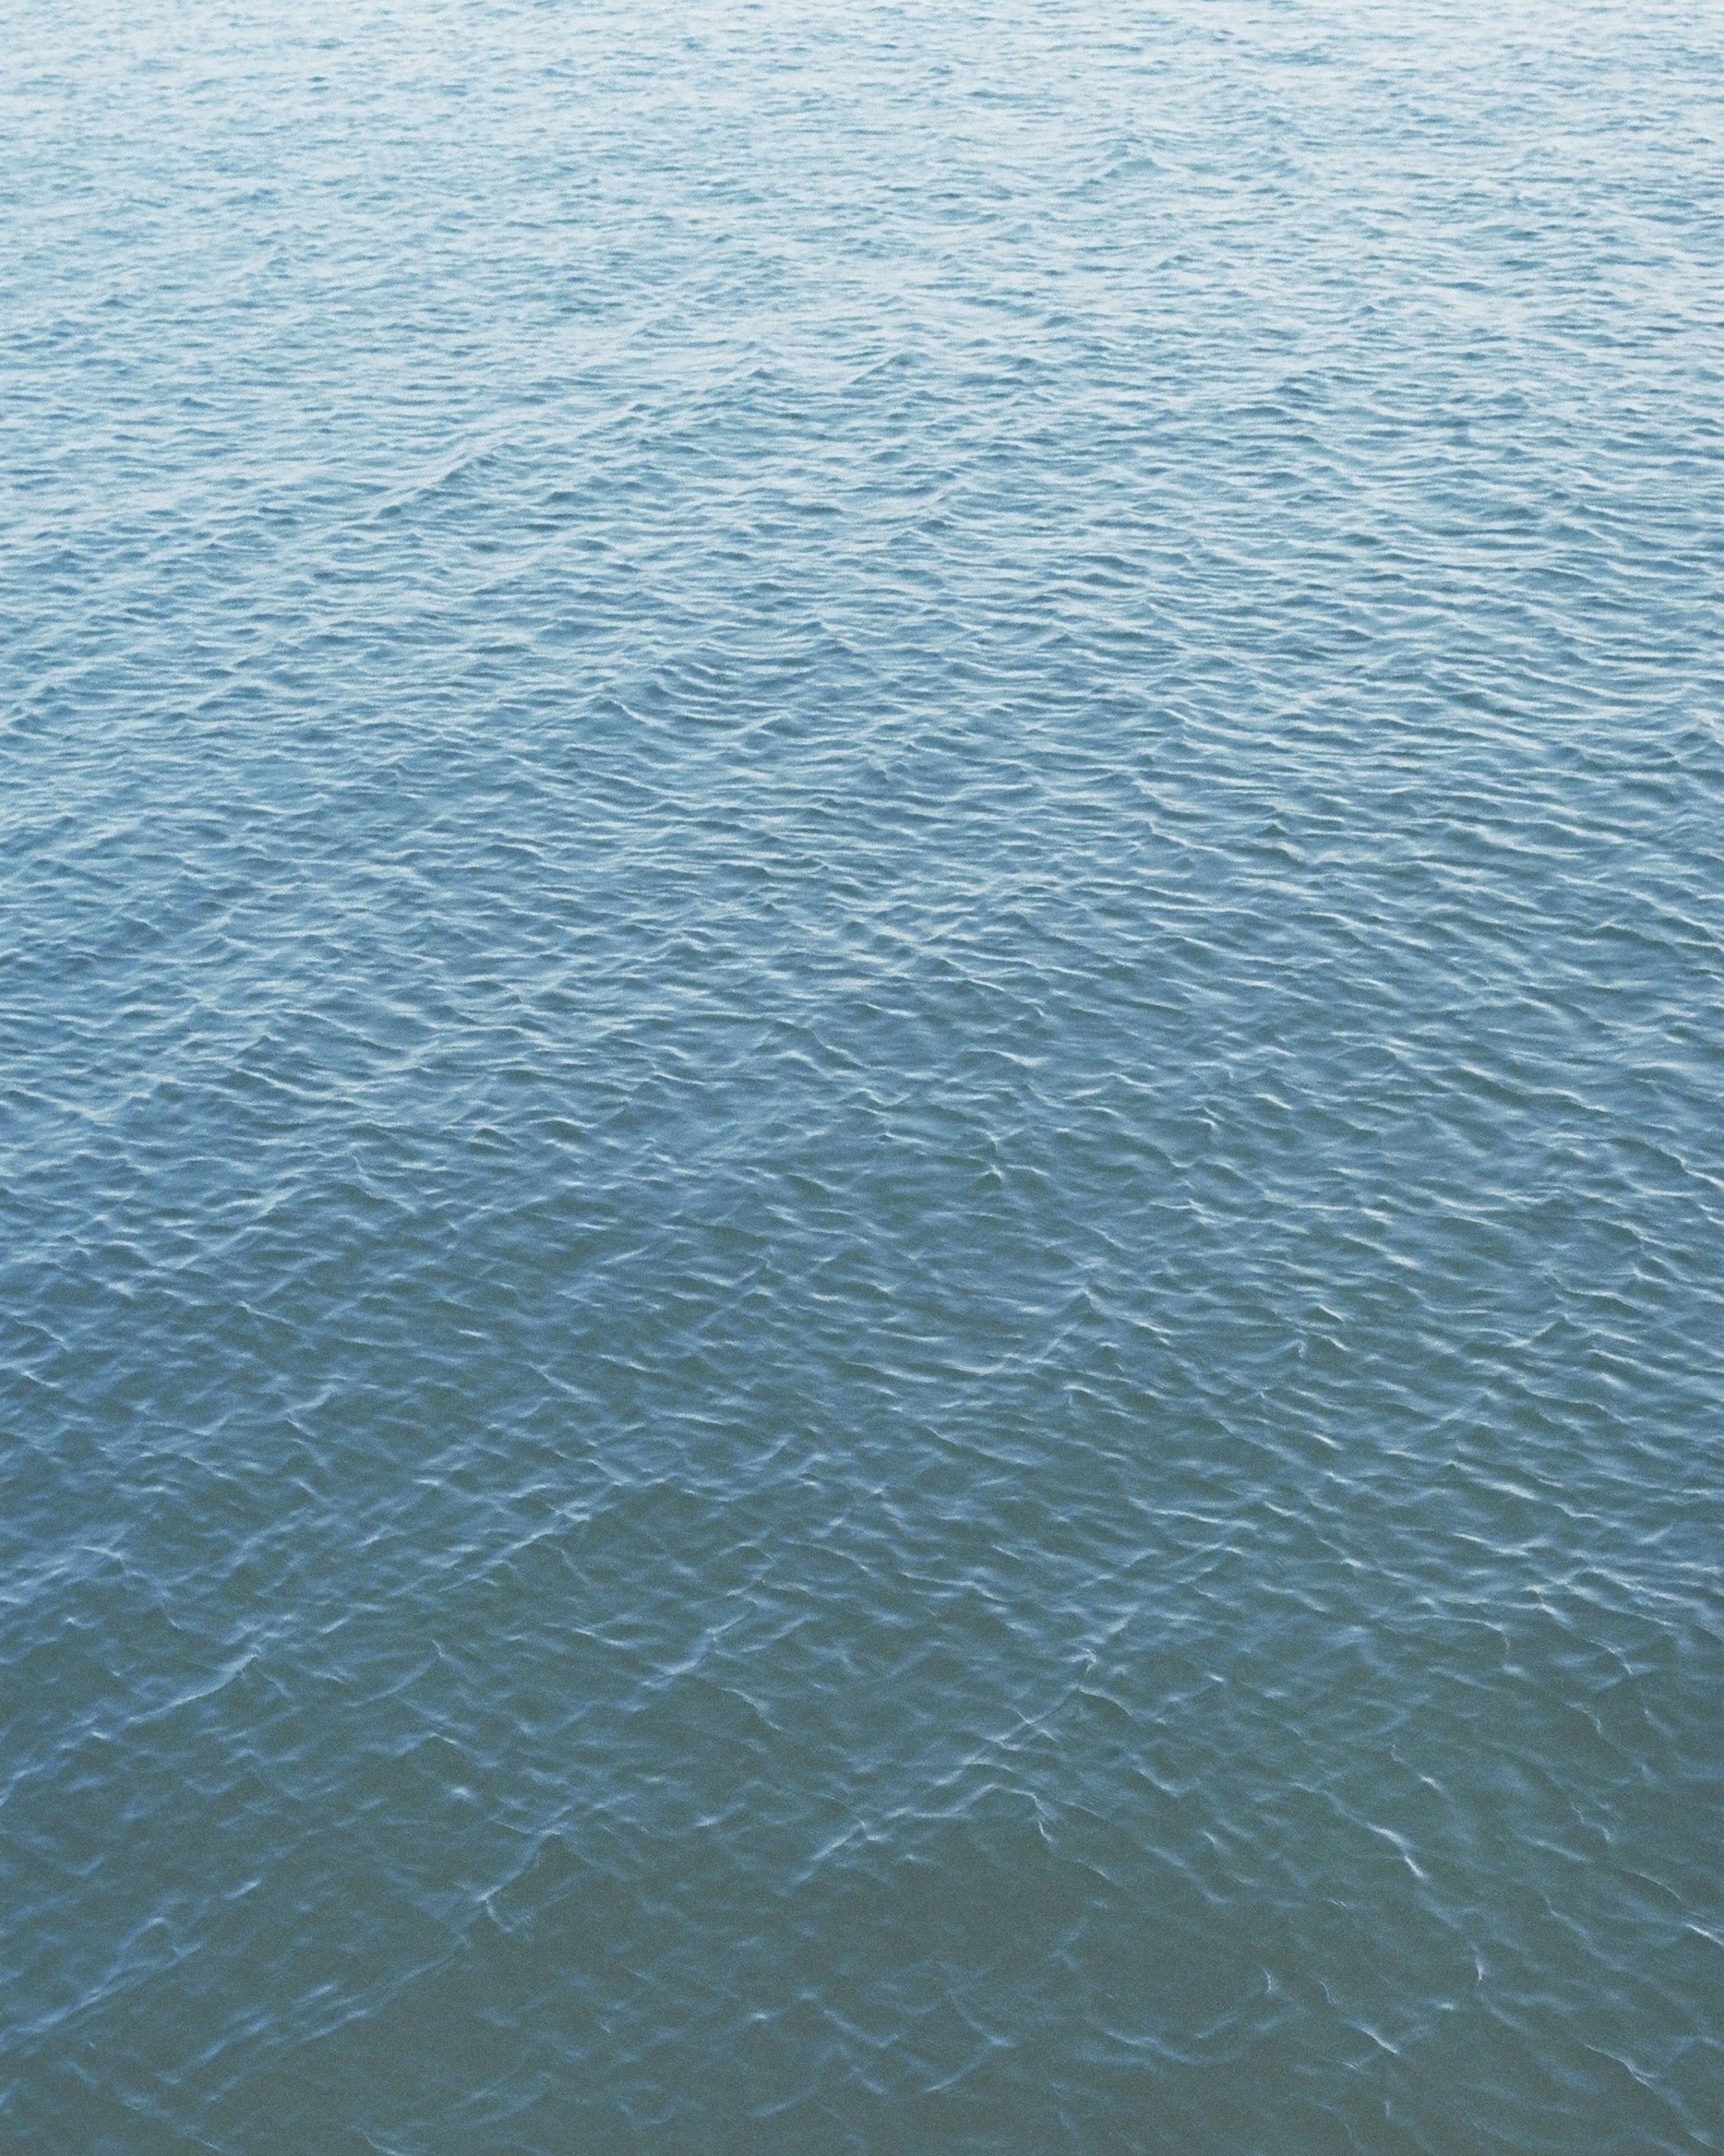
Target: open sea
(861,1078)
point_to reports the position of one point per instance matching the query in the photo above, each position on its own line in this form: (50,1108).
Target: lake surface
(862,1112)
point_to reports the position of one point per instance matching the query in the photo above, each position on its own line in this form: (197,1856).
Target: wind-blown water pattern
(863,1000)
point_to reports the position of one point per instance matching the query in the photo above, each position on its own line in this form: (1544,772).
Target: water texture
(862,1114)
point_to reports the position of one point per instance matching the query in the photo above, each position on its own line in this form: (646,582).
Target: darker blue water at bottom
(862,1014)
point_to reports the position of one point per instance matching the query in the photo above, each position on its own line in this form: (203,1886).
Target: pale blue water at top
(861,1078)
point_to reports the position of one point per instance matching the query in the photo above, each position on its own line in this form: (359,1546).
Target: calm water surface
(861,1079)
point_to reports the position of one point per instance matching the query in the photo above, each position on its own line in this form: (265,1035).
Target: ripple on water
(860,1116)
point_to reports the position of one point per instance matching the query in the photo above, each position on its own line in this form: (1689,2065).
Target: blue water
(861,1078)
